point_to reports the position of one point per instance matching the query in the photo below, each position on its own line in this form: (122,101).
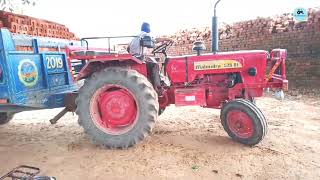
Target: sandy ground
(187,143)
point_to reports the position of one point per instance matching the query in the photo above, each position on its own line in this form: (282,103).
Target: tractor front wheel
(244,122)
(5,117)
(117,107)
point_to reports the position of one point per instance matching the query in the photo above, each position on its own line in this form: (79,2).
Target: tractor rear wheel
(117,107)
(5,117)
(244,122)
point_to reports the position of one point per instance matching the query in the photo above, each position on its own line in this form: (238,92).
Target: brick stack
(252,28)
(36,27)
(188,36)
(301,39)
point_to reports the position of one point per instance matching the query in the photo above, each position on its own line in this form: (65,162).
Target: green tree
(12,5)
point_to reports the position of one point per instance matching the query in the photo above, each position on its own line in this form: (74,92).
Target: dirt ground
(187,143)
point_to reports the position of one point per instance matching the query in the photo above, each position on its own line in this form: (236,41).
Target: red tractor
(123,96)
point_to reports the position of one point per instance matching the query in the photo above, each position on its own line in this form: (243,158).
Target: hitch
(276,78)
(70,105)
(59,116)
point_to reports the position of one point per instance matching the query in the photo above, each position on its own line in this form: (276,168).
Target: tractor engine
(209,80)
(206,90)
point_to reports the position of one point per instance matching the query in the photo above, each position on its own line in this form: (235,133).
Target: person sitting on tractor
(135,47)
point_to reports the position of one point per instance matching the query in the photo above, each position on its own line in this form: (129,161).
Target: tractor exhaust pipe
(215,30)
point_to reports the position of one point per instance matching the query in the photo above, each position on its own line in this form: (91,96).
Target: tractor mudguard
(94,60)
(94,66)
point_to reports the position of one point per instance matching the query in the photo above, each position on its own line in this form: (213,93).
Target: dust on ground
(187,143)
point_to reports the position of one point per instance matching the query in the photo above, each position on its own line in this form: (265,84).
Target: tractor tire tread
(254,112)
(146,98)
(260,113)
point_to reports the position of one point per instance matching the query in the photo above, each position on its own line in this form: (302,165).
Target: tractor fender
(97,65)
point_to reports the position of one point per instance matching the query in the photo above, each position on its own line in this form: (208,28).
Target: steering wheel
(162,48)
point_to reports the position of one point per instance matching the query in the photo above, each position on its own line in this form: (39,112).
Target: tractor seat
(93,53)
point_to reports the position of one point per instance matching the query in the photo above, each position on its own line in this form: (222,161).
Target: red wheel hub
(240,124)
(114,109)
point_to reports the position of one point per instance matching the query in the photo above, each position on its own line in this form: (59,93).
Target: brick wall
(302,40)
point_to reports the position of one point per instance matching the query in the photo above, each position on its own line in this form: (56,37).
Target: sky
(124,17)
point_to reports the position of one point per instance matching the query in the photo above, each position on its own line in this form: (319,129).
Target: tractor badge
(216,64)
(28,73)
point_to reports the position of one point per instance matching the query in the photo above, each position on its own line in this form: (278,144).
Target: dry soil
(187,143)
